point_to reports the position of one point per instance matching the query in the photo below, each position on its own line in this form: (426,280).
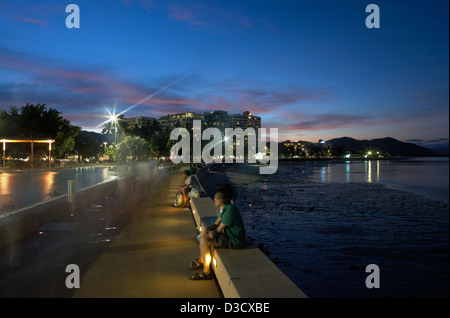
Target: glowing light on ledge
(207,259)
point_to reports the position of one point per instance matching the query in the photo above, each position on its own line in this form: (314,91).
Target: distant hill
(443,151)
(384,145)
(100,138)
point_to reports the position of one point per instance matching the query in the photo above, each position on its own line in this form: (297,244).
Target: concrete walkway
(150,256)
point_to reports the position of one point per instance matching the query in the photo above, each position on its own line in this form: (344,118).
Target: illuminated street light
(113,118)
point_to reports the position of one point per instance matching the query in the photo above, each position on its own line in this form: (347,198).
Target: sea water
(427,176)
(323,223)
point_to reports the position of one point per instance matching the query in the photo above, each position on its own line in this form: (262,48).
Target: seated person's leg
(205,257)
(185,195)
(205,244)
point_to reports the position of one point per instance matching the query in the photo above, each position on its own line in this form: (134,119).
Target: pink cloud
(239,95)
(83,89)
(15,62)
(319,122)
(35,21)
(296,125)
(76,81)
(158,101)
(86,91)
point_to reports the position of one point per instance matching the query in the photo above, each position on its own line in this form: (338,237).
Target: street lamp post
(49,155)
(115,132)
(4,155)
(114,120)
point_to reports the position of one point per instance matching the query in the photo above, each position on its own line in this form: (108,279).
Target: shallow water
(323,233)
(428,176)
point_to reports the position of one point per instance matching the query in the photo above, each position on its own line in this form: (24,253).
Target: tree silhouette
(38,121)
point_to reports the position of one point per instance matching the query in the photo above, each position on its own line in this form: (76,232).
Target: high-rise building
(218,119)
(245,120)
(179,120)
(138,122)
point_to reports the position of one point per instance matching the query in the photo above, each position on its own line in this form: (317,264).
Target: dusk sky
(312,69)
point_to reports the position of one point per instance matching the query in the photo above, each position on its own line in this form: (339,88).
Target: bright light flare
(113,118)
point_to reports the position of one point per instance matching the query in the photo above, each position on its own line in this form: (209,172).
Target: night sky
(312,69)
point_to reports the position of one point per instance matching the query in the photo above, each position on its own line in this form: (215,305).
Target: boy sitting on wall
(227,232)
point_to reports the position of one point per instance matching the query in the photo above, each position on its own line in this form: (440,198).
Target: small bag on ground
(179,200)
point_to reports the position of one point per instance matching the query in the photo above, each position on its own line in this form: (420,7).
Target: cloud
(83,93)
(184,14)
(82,80)
(317,122)
(206,15)
(80,90)
(237,95)
(440,140)
(332,121)
(35,21)
(431,143)
(415,140)
(147,5)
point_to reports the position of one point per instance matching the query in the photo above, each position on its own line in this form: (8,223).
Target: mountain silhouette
(386,145)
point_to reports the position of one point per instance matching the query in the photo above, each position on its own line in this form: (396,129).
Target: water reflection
(347,171)
(378,170)
(368,171)
(4,183)
(49,187)
(428,176)
(20,188)
(323,174)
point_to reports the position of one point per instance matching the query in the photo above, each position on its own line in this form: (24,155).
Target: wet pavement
(138,246)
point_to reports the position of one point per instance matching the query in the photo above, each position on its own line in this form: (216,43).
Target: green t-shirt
(234,225)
